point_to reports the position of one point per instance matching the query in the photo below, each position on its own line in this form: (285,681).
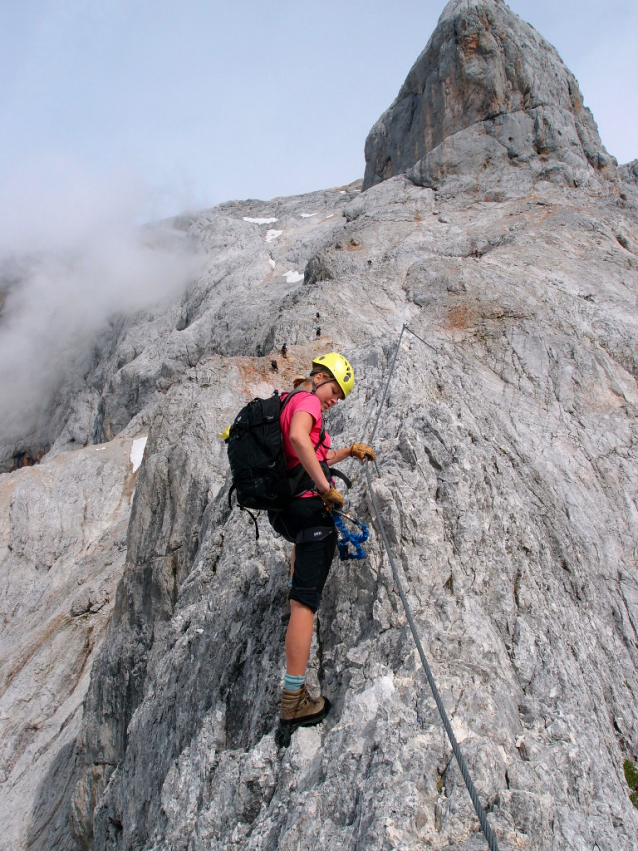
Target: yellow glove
(224,434)
(362,451)
(332,498)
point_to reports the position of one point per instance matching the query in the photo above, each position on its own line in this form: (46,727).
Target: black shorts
(307,524)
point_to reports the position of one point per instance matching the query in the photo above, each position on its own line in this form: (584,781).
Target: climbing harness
(346,537)
(480,812)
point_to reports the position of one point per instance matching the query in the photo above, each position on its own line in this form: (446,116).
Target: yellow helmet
(339,368)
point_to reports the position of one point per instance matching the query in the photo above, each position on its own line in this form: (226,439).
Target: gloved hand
(332,498)
(362,451)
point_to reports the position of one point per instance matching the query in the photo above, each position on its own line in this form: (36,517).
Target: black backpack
(257,461)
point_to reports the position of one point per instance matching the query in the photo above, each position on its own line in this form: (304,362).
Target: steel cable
(480,812)
(387,384)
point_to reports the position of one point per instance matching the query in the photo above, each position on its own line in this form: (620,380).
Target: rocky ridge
(508,486)
(507,480)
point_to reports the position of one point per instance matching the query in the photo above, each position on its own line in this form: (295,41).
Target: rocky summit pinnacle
(486,93)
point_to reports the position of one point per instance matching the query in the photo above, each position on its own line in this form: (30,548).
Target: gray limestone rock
(506,456)
(508,486)
(629,172)
(63,544)
(489,101)
(118,380)
(318,269)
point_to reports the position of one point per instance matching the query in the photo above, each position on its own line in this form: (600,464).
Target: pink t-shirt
(309,403)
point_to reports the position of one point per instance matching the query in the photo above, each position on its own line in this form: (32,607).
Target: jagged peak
(482,66)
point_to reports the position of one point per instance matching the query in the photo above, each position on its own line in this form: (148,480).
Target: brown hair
(298,380)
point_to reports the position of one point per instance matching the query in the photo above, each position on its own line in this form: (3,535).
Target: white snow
(100,449)
(292,277)
(137,452)
(273,234)
(308,215)
(272,262)
(330,215)
(342,192)
(259,221)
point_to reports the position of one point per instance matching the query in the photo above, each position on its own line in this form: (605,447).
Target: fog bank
(72,255)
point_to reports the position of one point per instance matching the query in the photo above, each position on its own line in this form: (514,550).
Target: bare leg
(298,638)
(292,560)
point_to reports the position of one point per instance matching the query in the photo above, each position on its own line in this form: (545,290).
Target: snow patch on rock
(137,452)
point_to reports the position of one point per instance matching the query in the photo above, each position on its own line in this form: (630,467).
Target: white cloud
(72,254)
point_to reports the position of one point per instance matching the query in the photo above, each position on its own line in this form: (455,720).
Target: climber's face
(328,391)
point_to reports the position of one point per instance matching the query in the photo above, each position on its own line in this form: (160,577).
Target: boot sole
(287,728)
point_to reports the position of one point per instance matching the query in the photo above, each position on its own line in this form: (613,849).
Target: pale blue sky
(209,101)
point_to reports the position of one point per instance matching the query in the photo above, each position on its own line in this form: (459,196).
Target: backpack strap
(243,508)
(301,481)
(340,475)
(289,397)
(253,518)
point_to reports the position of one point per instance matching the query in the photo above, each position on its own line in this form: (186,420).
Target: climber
(274,366)
(307,522)
(284,350)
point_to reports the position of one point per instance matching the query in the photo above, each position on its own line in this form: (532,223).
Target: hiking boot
(300,710)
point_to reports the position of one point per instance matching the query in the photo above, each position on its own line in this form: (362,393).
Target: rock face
(487,104)
(63,526)
(508,480)
(508,486)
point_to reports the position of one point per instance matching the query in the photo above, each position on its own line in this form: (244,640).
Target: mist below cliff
(73,254)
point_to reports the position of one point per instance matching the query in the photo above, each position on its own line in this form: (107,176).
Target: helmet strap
(315,387)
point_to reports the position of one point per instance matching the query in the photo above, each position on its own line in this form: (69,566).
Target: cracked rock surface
(508,488)
(63,544)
